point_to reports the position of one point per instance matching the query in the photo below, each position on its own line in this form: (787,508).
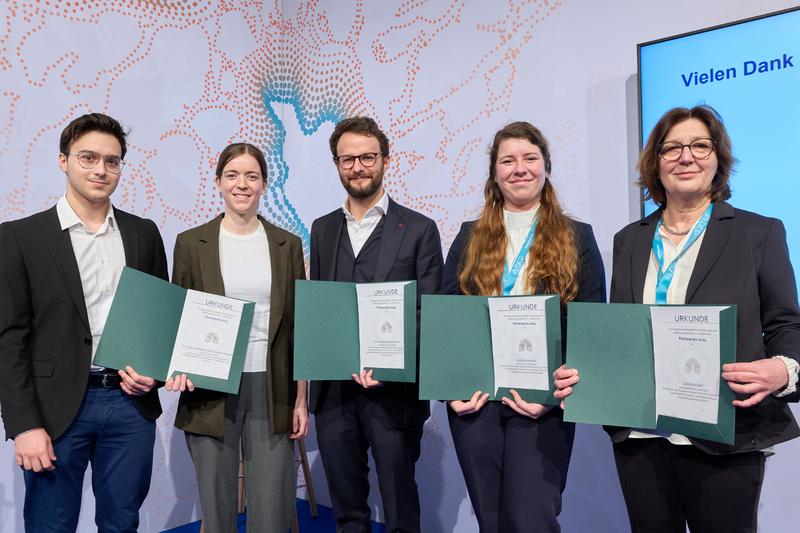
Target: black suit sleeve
(780,316)
(159,255)
(591,274)
(619,271)
(429,260)
(450,283)
(314,252)
(17,394)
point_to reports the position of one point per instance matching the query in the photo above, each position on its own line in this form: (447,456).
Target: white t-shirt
(247,274)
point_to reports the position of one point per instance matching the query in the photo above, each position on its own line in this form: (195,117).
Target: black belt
(104,380)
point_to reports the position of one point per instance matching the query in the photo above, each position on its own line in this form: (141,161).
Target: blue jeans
(109,432)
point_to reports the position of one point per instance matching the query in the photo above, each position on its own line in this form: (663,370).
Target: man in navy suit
(371,238)
(59,270)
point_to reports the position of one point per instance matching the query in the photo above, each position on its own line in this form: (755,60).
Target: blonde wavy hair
(553,258)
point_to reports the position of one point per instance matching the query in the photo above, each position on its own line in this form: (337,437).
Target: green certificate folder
(142,328)
(456,349)
(326,333)
(611,345)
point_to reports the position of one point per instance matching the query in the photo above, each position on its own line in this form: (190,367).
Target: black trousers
(667,486)
(515,467)
(346,429)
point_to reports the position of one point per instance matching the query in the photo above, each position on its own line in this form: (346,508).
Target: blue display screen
(749,72)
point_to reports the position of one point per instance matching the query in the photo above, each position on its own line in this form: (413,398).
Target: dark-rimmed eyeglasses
(347,162)
(89,160)
(699,148)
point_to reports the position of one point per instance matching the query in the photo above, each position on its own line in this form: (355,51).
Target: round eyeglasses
(347,162)
(89,160)
(699,148)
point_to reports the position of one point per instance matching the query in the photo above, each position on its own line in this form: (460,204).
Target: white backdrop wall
(439,76)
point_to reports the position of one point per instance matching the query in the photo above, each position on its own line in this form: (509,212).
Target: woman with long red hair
(515,454)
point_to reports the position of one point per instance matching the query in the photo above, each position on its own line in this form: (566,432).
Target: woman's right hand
(473,405)
(564,379)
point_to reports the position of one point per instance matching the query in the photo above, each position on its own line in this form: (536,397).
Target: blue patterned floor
(321,524)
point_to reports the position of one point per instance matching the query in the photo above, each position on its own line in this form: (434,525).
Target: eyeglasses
(348,161)
(89,160)
(699,148)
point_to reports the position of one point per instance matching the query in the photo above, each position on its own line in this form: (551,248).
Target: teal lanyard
(665,276)
(510,277)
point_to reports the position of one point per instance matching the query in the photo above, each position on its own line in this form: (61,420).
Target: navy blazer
(410,249)
(743,260)
(591,274)
(45,340)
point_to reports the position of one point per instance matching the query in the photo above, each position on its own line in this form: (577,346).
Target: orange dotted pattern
(297,59)
(512,31)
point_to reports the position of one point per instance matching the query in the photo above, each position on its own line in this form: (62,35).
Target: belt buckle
(104,382)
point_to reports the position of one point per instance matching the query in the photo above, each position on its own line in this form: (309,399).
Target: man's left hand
(133,383)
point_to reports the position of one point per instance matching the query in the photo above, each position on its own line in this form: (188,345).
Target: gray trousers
(269,479)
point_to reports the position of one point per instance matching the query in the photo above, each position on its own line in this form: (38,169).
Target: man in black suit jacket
(371,239)
(58,273)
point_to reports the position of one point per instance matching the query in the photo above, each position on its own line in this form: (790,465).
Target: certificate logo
(386,328)
(525,345)
(212,338)
(692,366)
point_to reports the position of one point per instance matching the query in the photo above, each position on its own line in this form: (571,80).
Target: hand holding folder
(162,330)
(329,333)
(456,349)
(621,384)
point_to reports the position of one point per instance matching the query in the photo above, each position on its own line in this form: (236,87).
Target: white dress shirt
(360,230)
(100,257)
(247,275)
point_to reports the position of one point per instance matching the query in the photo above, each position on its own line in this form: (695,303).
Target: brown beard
(366,192)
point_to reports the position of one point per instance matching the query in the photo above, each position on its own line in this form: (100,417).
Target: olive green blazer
(196,266)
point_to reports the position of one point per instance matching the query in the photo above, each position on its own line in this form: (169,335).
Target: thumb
(50,451)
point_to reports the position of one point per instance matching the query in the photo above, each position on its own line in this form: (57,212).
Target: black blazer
(743,260)
(591,274)
(45,341)
(410,249)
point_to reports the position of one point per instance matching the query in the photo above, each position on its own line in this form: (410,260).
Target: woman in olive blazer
(226,256)
(196,266)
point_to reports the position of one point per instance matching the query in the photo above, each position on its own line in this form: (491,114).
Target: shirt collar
(376,210)
(520,219)
(69,219)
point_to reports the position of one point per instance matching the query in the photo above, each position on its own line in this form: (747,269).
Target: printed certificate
(519,342)
(687,362)
(380,324)
(161,329)
(206,337)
